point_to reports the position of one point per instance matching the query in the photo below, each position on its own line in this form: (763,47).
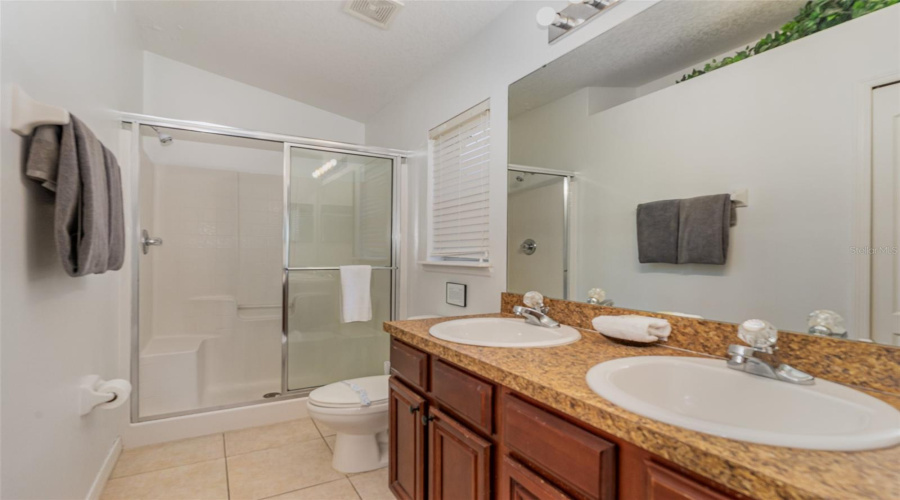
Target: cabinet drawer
(578,460)
(517,482)
(410,364)
(666,484)
(469,397)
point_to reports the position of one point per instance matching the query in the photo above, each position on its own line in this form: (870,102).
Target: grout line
(354,488)
(317,429)
(308,487)
(227,479)
(166,468)
(279,445)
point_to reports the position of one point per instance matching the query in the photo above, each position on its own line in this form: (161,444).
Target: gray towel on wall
(43,156)
(703,225)
(89,221)
(657,231)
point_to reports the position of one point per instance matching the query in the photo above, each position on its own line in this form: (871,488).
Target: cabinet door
(459,461)
(517,482)
(665,484)
(407,443)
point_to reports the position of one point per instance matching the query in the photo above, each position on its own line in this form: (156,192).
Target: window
(459,157)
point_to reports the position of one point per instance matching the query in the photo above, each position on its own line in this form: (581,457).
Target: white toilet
(361,428)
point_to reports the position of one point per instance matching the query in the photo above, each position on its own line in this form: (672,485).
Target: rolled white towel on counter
(633,327)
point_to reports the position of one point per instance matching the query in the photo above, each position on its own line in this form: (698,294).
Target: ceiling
(664,39)
(312,51)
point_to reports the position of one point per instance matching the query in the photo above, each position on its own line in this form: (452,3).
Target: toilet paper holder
(94,391)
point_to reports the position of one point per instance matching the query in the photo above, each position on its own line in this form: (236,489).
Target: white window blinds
(460,204)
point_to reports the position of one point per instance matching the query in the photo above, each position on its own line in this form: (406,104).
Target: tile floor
(285,461)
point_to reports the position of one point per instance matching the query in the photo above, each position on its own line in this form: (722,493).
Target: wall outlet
(456,294)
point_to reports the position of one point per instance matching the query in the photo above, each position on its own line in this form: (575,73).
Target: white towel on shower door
(356,297)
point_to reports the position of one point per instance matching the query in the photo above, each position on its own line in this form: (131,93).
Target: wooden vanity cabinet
(457,436)
(666,484)
(407,442)
(459,460)
(518,482)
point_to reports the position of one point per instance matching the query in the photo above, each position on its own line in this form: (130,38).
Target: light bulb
(328,165)
(547,16)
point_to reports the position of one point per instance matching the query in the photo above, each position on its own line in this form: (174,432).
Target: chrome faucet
(536,316)
(536,312)
(759,357)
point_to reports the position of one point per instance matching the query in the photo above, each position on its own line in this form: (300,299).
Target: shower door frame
(397,157)
(286,239)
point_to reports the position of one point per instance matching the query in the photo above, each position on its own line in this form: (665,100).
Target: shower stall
(236,277)
(538,220)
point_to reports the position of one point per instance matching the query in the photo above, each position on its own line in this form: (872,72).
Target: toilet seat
(342,395)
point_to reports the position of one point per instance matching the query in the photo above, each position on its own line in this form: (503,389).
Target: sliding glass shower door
(340,211)
(209,294)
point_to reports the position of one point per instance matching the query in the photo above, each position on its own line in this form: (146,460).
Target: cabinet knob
(413,409)
(426,419)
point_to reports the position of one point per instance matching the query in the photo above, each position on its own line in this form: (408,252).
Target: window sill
(454,263)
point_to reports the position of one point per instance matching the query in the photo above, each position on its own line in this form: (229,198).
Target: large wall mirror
(768,188)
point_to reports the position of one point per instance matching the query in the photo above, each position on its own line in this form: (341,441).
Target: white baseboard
(213,422)
(104,472)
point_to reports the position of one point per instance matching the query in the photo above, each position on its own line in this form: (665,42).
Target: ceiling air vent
(377,12)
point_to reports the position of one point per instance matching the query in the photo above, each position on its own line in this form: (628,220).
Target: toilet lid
(348,393)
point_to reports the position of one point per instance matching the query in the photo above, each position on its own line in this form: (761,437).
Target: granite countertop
(555,377)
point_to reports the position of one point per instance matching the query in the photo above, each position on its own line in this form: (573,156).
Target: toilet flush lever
(147,241)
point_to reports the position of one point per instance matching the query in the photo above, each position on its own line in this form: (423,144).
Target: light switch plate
(456,294)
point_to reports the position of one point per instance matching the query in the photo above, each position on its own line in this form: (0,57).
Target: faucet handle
(758,334)
(534,300)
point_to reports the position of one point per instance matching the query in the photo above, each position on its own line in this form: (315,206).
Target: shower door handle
(528,246)
(147,241)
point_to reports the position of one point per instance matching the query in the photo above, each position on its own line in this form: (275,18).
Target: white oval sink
(503,332)
(705,395)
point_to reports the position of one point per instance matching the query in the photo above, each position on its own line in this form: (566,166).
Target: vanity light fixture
(548,16)
(574,16)
(328,165)
(597,4)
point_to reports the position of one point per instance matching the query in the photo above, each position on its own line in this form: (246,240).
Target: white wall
(83,56)
(783,124)
(177,90)
(511,47)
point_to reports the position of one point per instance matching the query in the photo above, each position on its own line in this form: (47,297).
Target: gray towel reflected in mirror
(688,231)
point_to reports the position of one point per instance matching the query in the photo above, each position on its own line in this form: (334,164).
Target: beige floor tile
(200,481)
(274,471)
(372,485)
(167,455)
(269,436)
(330,441)
(335,490)
(324,429)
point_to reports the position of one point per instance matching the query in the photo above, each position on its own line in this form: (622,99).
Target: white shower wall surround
(211,327)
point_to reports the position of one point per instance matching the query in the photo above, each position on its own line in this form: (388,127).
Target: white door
(886,214)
